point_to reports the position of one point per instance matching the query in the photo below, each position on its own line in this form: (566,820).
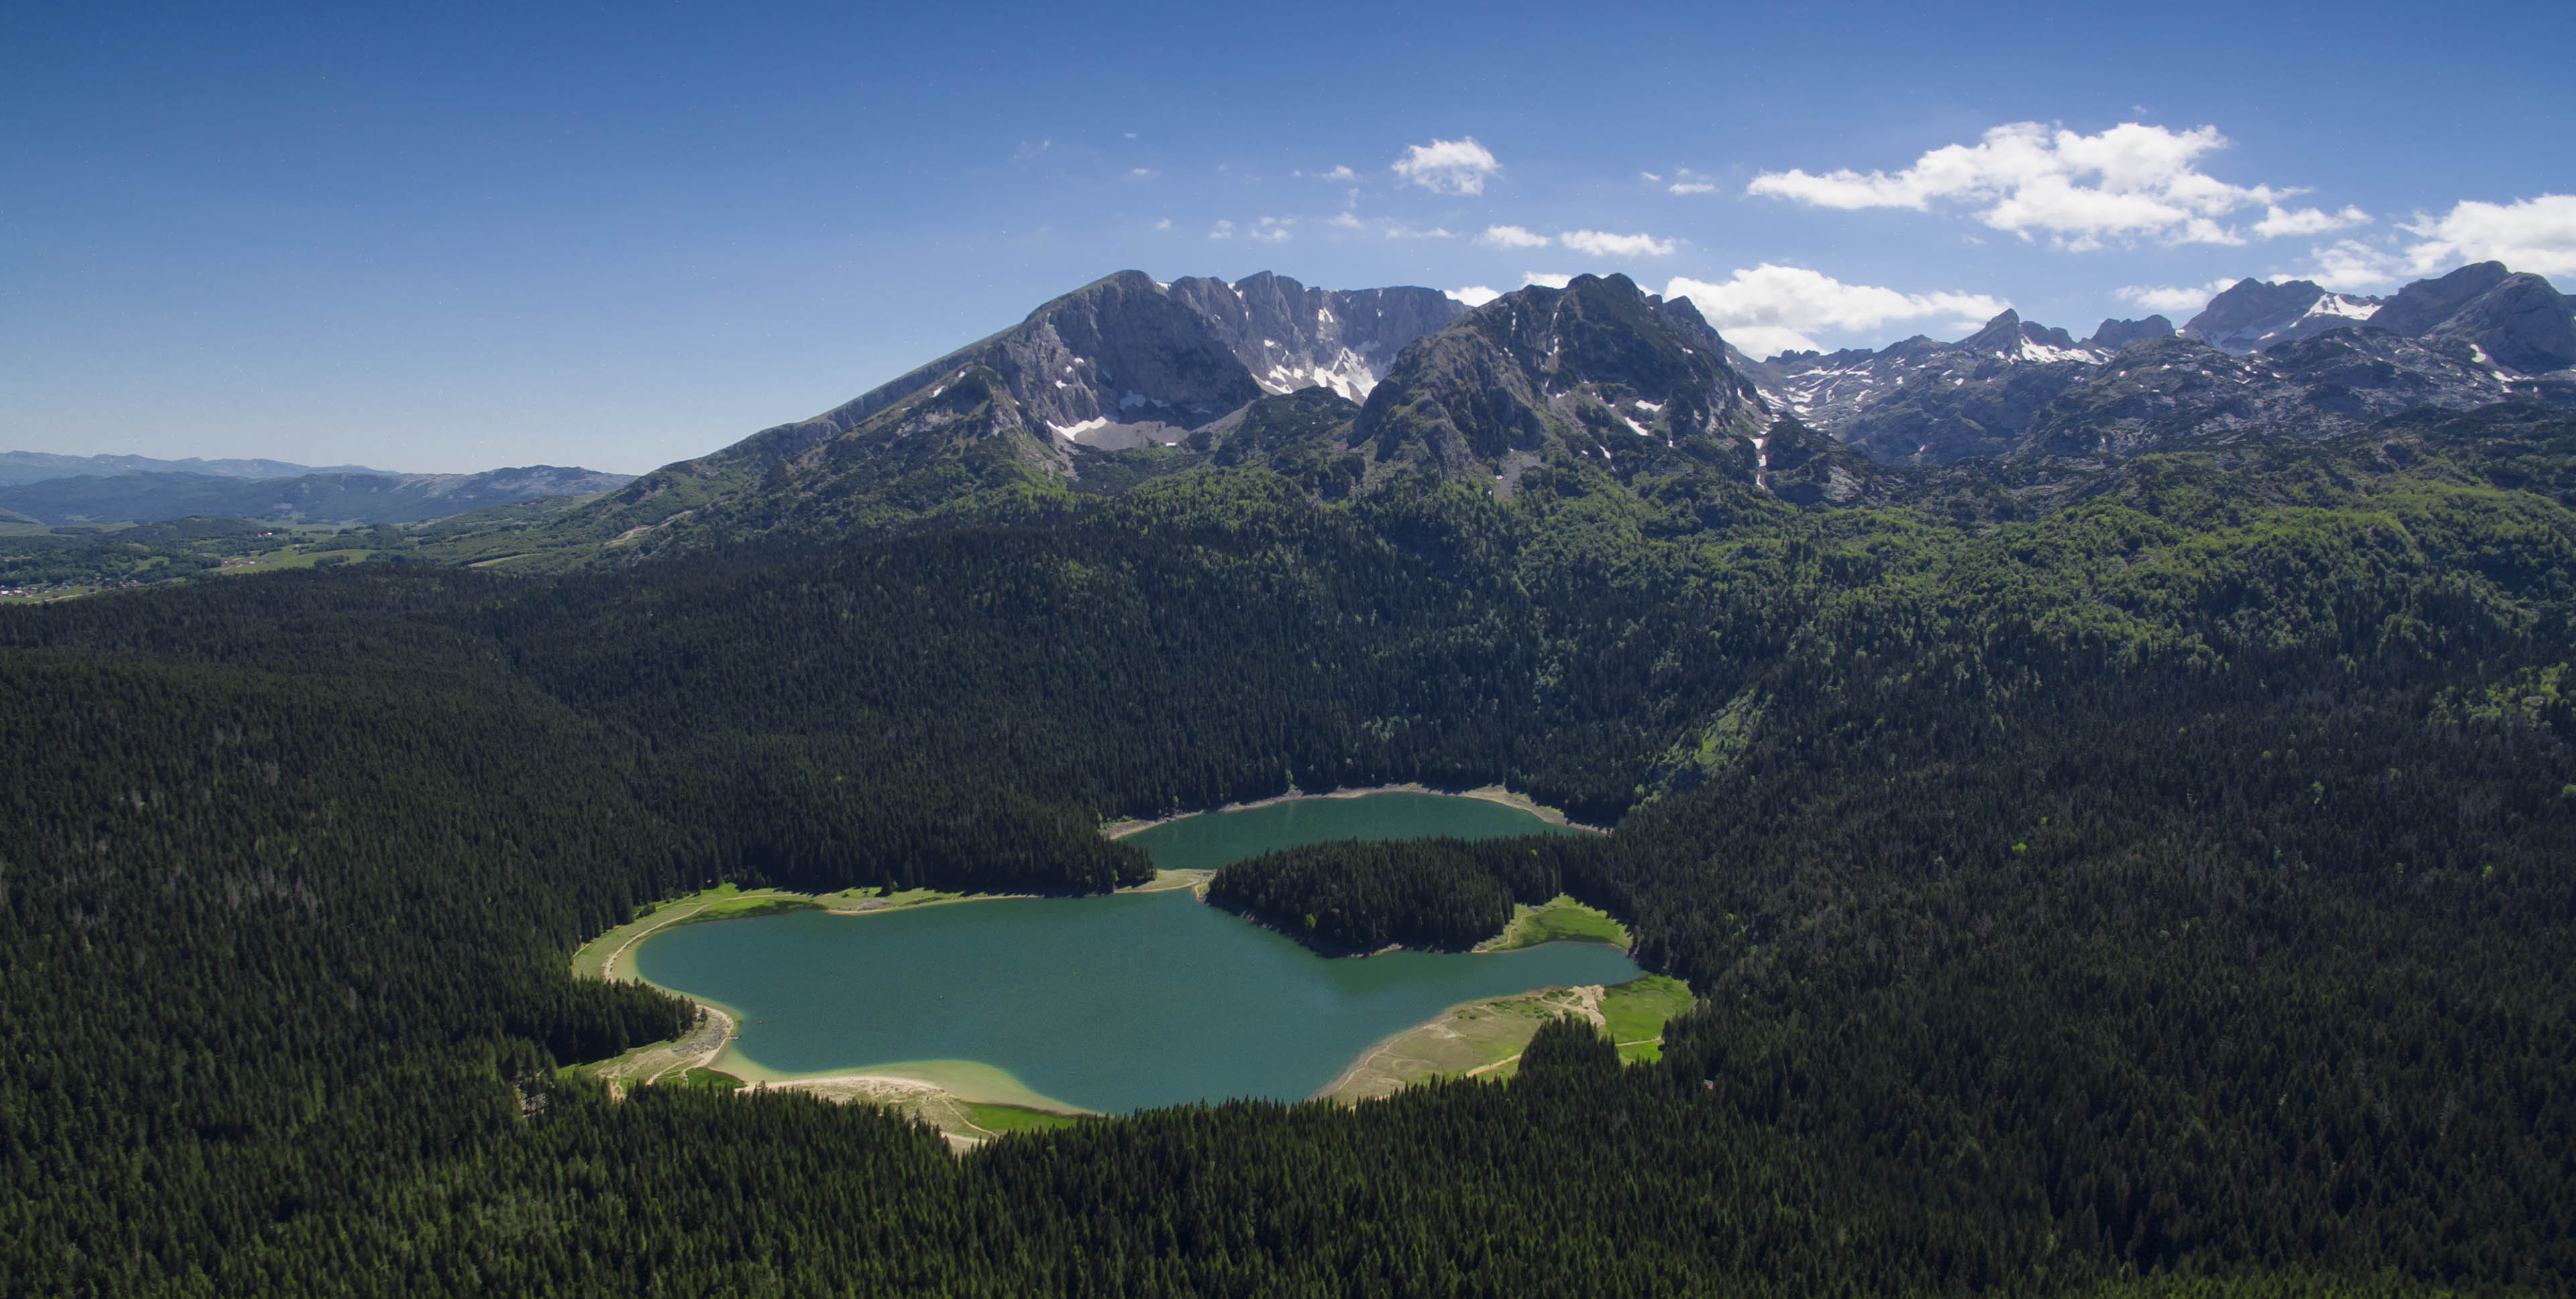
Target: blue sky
(622,235)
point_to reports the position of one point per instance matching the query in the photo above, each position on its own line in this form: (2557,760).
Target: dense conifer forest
(2154,883)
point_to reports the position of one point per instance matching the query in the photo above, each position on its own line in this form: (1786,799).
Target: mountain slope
(1121,363)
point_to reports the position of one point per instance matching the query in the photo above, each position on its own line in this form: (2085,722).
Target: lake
(1214,838)
(1107,1003)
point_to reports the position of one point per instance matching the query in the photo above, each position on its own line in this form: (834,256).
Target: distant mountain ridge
(2289,357)
(338,497)
(36,466)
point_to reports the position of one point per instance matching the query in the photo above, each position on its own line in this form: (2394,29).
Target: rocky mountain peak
(2426,303)
(1289,336)
(1598,369)
(2521,324)
(2116,334)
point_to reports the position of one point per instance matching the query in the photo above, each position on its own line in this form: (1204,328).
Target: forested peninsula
(2162,885)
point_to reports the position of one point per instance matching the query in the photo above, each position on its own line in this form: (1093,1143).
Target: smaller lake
(1212,839)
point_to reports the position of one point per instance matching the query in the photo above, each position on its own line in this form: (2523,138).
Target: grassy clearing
(291,557)
(743,907)
(1562,920)
(710,1080)
(1635,1011)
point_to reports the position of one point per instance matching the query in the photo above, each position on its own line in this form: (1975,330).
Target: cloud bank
(2129,182)
(1773,309)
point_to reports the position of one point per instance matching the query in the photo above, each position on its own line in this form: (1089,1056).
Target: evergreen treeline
(2171,886)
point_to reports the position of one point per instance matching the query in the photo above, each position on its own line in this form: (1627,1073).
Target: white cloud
(1448,166)
(1773,309)
(1513,237)
(1223,230)
(1394,231)
(2176,300)
(2535,234)
(1475,295)
(1338,175)
(1164,224)
(1650,175)
(1273,229)
(1686,181)
(1142,173)
(1546,279)
(1600,243)
(2350,266)
(2131,181)
(1597,243)
(2278,221)
(1346,221)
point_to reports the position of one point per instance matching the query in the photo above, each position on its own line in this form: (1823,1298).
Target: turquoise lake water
(1109,1003)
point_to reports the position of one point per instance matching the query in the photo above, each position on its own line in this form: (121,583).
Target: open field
(1562,920)
(291,557)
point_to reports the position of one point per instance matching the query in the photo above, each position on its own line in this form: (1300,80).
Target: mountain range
(1130,378)
(319,496)
(36,466)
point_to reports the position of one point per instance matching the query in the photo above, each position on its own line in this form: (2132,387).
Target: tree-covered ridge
(2165,882)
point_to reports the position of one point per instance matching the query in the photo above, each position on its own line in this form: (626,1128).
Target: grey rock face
(2253,315)
(2521,324)
(1289,336)
(2426,303)
(2168,390)
(1927,402)
(2116,334)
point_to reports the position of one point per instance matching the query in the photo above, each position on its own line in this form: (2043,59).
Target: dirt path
(695,1049)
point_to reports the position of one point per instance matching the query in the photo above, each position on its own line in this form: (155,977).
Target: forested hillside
(2154,871)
